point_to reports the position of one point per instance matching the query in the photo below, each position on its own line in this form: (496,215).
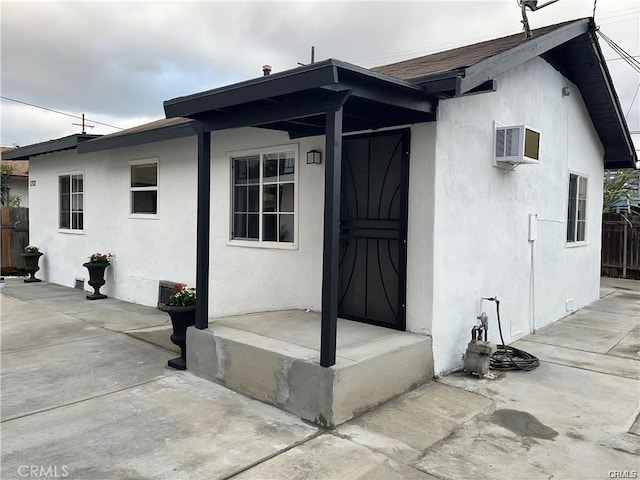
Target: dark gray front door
(373,226)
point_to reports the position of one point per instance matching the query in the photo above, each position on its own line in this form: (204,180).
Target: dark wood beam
(330,253)
(202,227)
(312,105)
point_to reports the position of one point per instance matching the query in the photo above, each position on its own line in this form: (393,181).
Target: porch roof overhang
(65,143)
(296,101)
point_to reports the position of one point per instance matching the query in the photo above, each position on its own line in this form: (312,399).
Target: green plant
(5,171)
(99,258)
(182,296)
(619,185)
(31,249)
(14,201)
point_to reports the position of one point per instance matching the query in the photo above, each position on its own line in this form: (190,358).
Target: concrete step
(274,357)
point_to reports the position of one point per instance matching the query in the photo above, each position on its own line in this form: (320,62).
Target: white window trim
(71,231)
(295,147)
(145,216)
(584,242)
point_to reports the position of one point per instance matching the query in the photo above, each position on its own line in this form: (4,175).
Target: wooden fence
(621,245)
(14,236)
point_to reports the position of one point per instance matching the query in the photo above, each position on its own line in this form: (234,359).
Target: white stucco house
(443,179)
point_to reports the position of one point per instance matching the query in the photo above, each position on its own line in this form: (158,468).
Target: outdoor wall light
(314,157)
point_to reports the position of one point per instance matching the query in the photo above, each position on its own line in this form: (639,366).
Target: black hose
(510,358)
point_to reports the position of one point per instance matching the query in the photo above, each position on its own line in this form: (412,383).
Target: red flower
(177,287)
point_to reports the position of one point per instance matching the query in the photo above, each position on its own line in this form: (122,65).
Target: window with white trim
(70,201)
(577,209)
(264,197)
(144,187)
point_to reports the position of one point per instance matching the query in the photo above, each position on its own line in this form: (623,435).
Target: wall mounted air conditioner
(516,144)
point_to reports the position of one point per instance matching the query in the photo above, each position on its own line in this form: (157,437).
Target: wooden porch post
(332,178)
(202,229)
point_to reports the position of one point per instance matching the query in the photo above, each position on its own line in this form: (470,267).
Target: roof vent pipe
(266,70)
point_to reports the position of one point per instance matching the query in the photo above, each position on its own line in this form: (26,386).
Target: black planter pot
(31,266)
(181,318)
(96,278)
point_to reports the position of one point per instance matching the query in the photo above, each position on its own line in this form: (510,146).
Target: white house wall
(250,278)
(482,212)
(146,250)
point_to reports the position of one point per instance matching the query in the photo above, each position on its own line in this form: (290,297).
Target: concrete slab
(29,291)
(179,427)
(36,329)
(581,337)
(614,305)
(289,374)
(301,328)
(595,362)
(620,283)
(125,320)
(403,428)
(629,346)
(44,378)
(332,457)
(554,421)
(598,319)
(160,336)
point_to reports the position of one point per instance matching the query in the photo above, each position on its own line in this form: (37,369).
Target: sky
(116,62)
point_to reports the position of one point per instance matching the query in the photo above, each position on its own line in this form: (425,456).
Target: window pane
(65,202)
(239,226)
(253,166)
(65,185)
(77,183)
(270,228)
(76,222)
(287,165)
(144,202)
(270,168)
(239,171)
(286,228)
(64,219)
(252,226)
(254,198)
(571,210)
(144,175)
(581,231)
(270,198)
(286,197)
(240,199)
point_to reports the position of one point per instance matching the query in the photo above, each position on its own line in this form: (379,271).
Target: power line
(635,64)
(59,112)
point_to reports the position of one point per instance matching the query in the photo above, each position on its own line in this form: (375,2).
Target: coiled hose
(508,358)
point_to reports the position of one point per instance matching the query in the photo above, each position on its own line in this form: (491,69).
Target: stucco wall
(482,212)
(242,279)
(146,250)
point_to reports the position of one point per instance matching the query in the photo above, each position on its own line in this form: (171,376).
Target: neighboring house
(18,181)
(435,206)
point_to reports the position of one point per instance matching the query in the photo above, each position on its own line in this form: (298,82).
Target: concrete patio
(84,399)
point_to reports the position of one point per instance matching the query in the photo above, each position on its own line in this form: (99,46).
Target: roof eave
(65,143)
(138,138)
(491,67)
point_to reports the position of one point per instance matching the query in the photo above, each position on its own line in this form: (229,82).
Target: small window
(144,187)
(264,197)
(71,200)
(577,209)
